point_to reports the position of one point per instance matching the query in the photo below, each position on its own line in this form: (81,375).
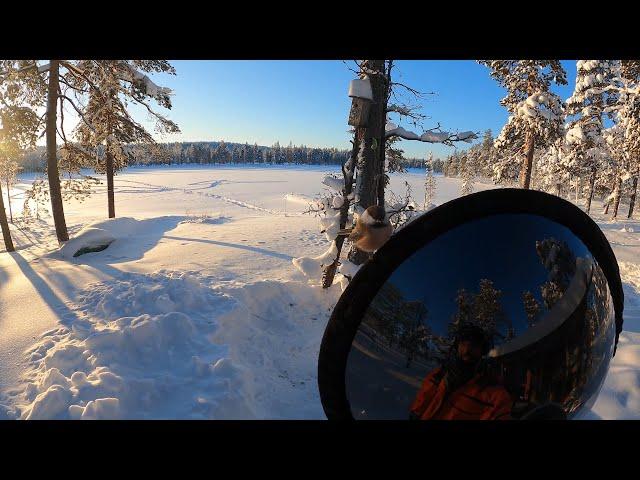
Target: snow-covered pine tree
(106,124)
(629,118)
(55,85)
(394,158)
(486,155)
(535,113)
(25,79)
(429,184)
(585,110)
(552,170)
(615,168)
(468,171)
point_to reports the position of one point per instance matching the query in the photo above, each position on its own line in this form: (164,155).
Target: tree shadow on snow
(143,236)
(46,293)
(258,250)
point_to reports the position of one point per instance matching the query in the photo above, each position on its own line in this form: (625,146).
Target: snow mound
(140,349)
(164,346)
(89,239)
(106,232)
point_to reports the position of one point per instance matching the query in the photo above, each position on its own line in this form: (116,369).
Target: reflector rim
(350,308)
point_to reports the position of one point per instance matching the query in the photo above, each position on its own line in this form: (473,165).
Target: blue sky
(306,102)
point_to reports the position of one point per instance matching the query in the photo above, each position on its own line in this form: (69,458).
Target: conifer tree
(429,183)
(468,168)
(107,125)
(535,112)
(586,109)
(629,118)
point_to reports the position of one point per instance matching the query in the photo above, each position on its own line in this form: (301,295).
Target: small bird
(372,229)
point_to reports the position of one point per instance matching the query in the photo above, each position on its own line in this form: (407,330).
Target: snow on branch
(430,136)
(405,111)
(312,266)
(300,199)
(543,105)
(335,183)
(134,76)
(392,130)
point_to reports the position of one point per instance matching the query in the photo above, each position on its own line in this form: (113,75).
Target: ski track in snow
(211,184)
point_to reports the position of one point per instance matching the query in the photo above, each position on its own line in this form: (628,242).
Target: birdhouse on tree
(362,96)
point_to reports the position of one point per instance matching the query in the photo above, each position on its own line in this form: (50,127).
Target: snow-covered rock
(88,239)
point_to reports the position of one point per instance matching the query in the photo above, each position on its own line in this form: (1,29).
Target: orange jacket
(471,401)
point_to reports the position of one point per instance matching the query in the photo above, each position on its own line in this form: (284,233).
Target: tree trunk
(110,196)
(371,171)
(9,201)
(616,196)
(592,182)
(371,136)
(632,200)
(53,174)
(525,172)
(109,163)
(578,181)
(4,225)
(606,207)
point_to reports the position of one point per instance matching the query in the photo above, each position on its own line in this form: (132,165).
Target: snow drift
(113,231)
(165,346)
(89,239)
(140,349)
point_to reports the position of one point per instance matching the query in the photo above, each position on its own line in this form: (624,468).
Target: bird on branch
(372,229)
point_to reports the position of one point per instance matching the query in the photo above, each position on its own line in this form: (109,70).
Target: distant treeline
(204,153)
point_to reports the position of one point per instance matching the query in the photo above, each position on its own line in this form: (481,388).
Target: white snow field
(195,309)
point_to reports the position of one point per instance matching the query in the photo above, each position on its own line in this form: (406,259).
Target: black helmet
(531,269)
(474,333)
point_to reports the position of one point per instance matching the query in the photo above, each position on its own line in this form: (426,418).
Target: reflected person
(460,389)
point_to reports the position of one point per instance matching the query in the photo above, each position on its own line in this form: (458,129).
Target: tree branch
(78,112)
(28,67)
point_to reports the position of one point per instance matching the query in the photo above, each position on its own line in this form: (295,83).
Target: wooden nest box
(361,98)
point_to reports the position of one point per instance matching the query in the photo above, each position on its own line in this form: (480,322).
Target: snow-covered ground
(195,309)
